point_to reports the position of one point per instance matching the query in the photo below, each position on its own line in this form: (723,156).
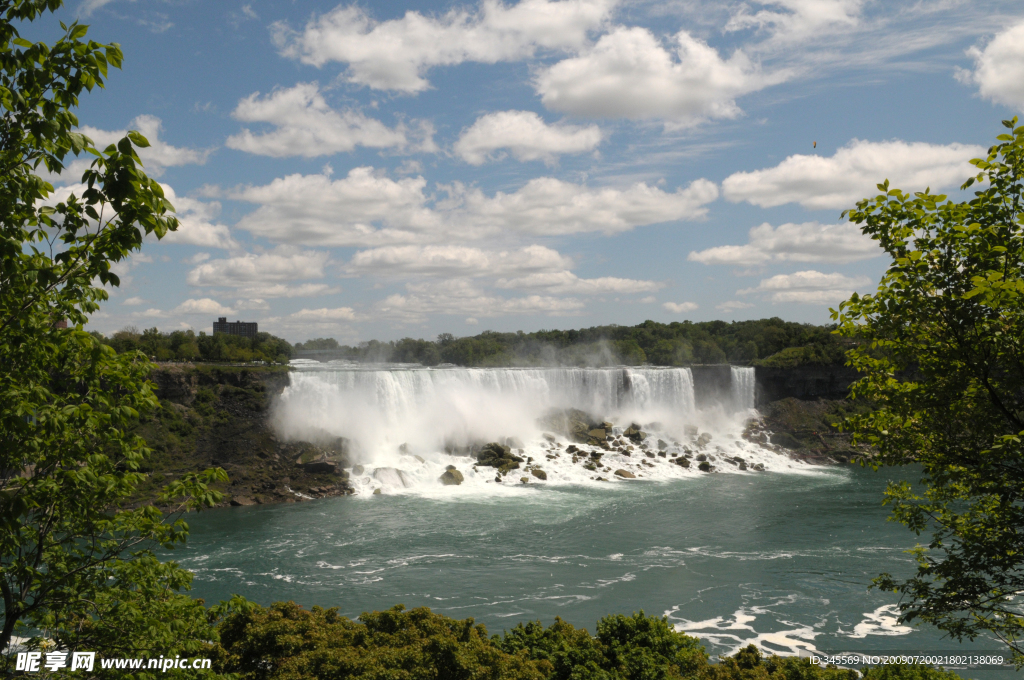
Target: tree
(942,353)
(74,564)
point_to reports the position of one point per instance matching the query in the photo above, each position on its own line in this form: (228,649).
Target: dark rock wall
(803,382)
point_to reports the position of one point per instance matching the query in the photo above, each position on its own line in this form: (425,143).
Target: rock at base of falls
(392,477)
(539,474)
(625,474)
(452,477)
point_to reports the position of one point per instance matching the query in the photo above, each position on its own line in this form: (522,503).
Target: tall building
(243,328)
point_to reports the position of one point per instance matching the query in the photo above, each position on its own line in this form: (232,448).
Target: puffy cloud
(368,209)
(450,261)
(203,306)
(325,314)
(567,282)
(851,174)
(134,301)
(810,287)
(196,225)
(462,297)
(158,155)
(733,305)
(999,67)
(265,275)
(680,307)
(629,74)
(807,242)
(552,207)
(307,126)
(526,136)
(257,304)
(395,54)
(314,209)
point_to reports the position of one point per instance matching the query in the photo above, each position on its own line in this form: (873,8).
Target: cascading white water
(743,387)
(402,418)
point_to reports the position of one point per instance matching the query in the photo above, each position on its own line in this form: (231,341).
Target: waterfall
(743,387)
(404,424)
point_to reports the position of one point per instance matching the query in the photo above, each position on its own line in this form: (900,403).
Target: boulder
(539,474)
(242,500)
(662,444)
(452,477)
(358,469)
(701,457)
(524,480)
(320,466)
(704,467)
(743,465)
(376,492)
(626,474)
(682,462)
(598,433)
(704,439)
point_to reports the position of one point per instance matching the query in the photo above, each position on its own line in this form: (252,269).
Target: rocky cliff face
(803,382)
(213,416)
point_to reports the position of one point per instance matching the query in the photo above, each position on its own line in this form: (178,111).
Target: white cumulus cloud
(809,287)
(158,155)
(196,223)
(525,135)
(999,67)
(203,306)
(306,126)
(852,173)
(395,54)
(462,297)
(325,314)
(552,207)
(630,74)
(451,261)
(266,275)
(806,242)
(565,282)
(680,307)
(367,208)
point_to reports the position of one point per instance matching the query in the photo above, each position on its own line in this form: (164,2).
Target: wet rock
(376,492)
(598,433)
(539,474)
(704,439)
(662,454)
(452,477)
(743,465)
(358,469)
(759,467)
(625,474)
(242,500)
(571,448)
(321,466)
(662,444)
(649,454)
(701,457)
(524,480)
(704,467)
(682,462)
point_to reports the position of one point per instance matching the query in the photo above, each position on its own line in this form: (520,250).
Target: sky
(403,169)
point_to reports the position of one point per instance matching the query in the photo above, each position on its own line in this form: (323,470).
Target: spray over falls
(406,428)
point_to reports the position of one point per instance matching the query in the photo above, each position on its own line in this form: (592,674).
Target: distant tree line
(188,346)
(771,342)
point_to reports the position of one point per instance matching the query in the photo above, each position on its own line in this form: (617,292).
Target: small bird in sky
(815,145)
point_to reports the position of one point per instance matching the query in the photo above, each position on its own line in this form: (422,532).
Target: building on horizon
(245,329)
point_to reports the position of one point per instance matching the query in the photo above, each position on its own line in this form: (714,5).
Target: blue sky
(383,170)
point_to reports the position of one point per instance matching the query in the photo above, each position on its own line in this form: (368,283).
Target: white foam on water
(737,631)
(400,420)
(882,621)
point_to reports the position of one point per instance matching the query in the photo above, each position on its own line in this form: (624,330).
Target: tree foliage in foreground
(943,361)
(286,642)
(75,566)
